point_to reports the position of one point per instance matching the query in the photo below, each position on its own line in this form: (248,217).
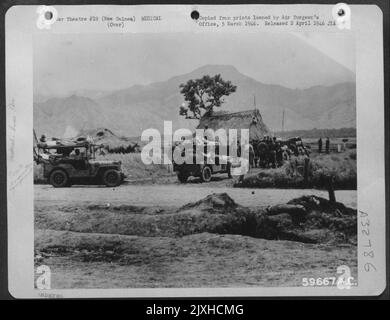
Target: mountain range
(129,111)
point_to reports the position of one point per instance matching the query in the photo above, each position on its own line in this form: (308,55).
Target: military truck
(203,170)
(70,163)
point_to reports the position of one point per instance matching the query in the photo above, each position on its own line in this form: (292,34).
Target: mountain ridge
(131,110)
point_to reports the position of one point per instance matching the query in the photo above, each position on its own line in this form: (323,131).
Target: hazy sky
(65,63)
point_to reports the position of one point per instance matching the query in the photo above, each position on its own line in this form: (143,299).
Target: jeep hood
(105,162)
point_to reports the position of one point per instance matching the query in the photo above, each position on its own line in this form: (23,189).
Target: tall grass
(134,168)
(340,166)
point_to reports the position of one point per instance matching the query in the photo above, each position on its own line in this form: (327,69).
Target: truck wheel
(206,174)
(182,177)
(59,179)
(112,178)
(229,169)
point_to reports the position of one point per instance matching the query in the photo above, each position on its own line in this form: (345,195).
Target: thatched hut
(249,119)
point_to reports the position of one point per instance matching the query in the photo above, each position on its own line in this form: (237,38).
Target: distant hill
(130,111)
(57,116)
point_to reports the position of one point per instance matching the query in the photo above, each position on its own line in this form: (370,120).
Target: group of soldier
(272,151)
(268,152)
(61,152)
(327,145)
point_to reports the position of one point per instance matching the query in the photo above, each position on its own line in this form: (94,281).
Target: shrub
(342,167)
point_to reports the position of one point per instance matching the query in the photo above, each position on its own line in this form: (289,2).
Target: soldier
(255,144)
(286,152)
(209,133)
(238,148)
(251,157)
(319,145)
(279,153)
(262,151)
(272,156)
(300,147)
(77,155)
(327,143)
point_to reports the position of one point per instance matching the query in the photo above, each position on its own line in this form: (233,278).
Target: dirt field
(148,236)
(198,260)
(176,194)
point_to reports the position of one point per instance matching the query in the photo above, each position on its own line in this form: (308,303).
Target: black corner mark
(195,15)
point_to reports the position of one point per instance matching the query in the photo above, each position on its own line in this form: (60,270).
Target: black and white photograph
(105,219)
(198,158)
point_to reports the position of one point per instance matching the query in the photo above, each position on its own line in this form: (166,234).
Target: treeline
(317,133)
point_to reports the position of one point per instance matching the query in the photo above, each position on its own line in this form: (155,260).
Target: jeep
(65,164)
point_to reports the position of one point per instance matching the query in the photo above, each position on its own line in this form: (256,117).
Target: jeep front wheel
(183,177)
(112,178)
(59,179)
(206,174)
(229,169)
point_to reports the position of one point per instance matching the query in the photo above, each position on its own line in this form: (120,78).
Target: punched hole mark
(341,12)
(48,15)
(195,15)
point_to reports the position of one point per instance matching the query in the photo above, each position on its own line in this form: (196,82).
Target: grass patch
(341,166)
(135,169)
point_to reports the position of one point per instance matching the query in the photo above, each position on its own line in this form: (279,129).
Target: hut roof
(249,119)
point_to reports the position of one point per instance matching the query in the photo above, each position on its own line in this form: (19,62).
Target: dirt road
(82,243)
(177,195)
